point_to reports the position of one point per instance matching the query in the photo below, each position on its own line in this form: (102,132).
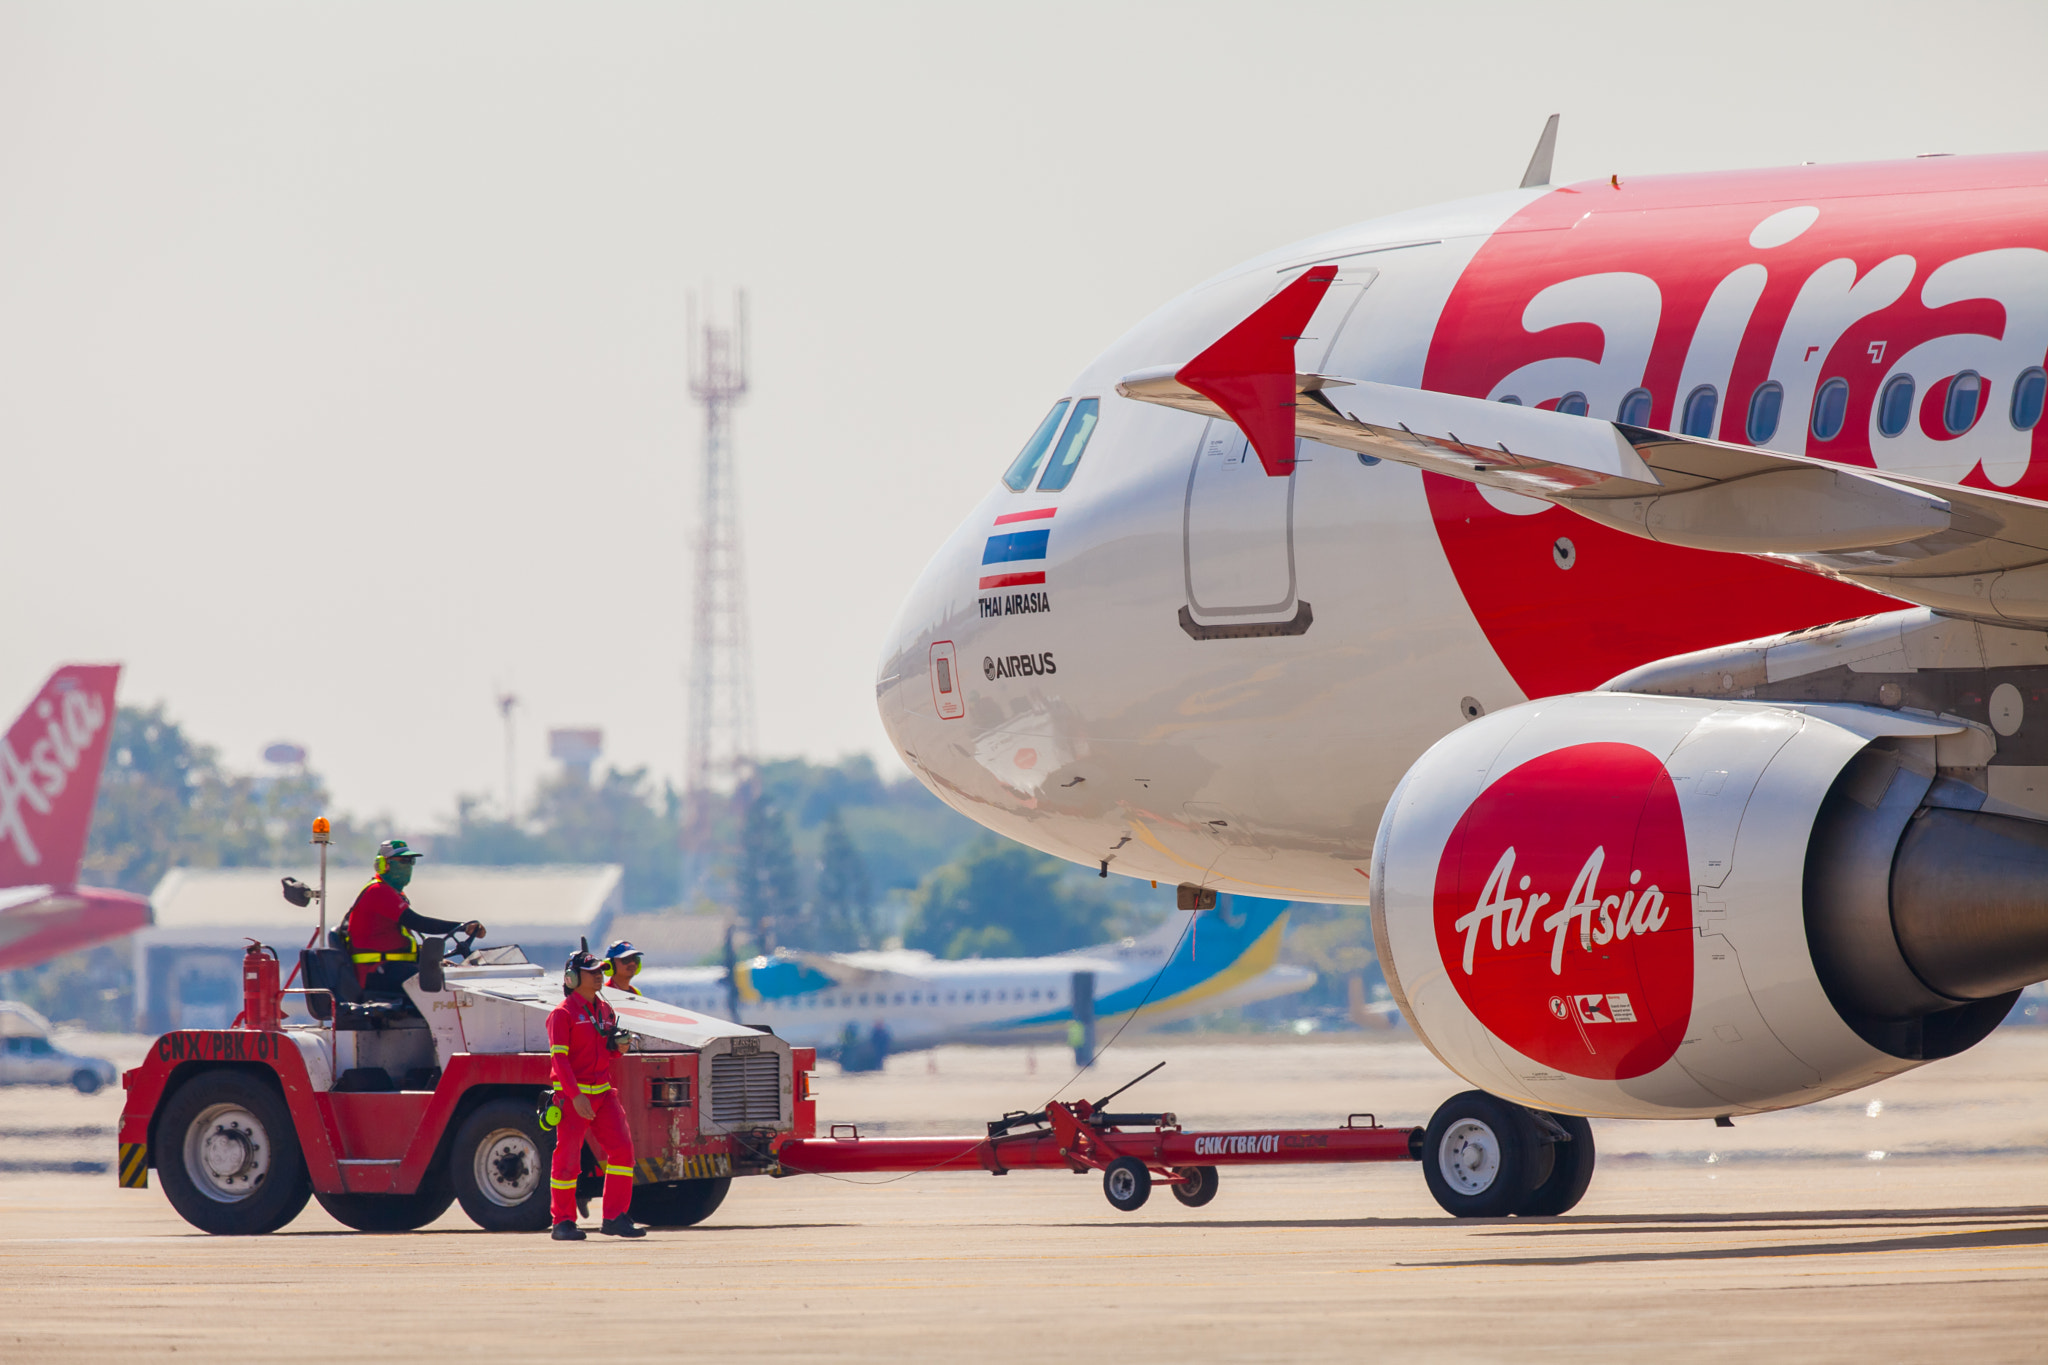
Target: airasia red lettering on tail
(1632,590)
(45,810)
(50,764)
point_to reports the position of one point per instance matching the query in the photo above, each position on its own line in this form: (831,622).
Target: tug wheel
(1482,1156)
(679,1203)
(229,1157)
(1127,1184)
(1197,1187)
(392,1212)
(499,1166)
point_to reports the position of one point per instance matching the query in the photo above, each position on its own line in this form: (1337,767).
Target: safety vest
(410,953)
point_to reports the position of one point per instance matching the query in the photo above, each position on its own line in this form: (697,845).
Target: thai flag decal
(1023,545)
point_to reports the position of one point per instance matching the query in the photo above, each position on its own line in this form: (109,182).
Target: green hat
(394,849)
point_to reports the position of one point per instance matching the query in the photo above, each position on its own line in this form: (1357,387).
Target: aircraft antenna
(1538,173)
(720,755)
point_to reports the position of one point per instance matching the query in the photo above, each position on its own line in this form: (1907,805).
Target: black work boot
(566,1231)
(621,1227)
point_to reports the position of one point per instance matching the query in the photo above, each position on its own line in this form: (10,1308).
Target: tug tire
(229,1156)
(498,1165)
(679,1203)
(392,1212)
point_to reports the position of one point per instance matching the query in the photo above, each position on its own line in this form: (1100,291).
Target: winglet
(1538,174)
(50,767)
(1249,371)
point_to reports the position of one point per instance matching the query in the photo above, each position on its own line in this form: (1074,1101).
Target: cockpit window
(1061,470)
(1025,467)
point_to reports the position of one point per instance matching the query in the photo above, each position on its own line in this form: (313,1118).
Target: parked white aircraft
(1229,957)
(1491,563)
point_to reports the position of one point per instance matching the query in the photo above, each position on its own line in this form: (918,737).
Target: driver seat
(331,970)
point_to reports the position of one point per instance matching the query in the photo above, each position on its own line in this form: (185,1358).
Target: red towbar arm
(847,1153)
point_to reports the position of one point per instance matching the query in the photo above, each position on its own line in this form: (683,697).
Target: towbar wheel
(1197,1185)
(1127,1184)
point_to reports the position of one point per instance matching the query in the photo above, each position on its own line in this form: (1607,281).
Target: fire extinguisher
(262,1000)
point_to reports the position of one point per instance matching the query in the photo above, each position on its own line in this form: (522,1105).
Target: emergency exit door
(1237,527)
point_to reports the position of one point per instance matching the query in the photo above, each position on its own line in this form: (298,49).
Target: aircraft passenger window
(952,997)
(1635,408)
(1965,395)
(1025,467)
(1830,409)
(1764,406)
(984,997)
(2028,394)
(1895,405)
(1700,406)
(1059,472)
(863,997)
(1572,404)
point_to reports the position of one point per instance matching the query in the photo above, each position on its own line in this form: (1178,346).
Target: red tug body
(388,1115)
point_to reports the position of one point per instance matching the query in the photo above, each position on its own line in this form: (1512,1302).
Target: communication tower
(721,738)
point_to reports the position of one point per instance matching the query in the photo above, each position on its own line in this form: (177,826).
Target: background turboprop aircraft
(1635,590)
(1229,957)
(49,776)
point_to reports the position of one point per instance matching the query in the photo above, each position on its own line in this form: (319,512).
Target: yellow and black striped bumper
(707,1166)
(134,1166)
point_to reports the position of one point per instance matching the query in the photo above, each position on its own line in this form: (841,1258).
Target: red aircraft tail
(50,774)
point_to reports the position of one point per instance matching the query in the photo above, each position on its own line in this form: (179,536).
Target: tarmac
(1904,1222)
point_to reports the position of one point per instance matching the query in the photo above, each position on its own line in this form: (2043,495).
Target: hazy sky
(342,346)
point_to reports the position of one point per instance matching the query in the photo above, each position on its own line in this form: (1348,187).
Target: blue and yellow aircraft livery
(1228,957)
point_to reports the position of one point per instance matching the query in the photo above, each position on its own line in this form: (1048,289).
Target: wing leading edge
(1963,551)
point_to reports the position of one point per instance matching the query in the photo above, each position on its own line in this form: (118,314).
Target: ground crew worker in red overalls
(582,1035)
(383,928)
(621,965)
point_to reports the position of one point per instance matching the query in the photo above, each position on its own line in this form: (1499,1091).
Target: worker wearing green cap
(382,927)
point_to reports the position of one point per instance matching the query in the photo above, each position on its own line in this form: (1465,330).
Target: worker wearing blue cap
(622,964)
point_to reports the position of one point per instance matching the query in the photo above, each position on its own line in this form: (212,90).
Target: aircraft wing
(42,923)
(1965,551)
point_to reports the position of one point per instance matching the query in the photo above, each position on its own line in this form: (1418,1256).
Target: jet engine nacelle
(1667,907)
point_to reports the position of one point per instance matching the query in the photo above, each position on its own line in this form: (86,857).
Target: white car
(28,1057)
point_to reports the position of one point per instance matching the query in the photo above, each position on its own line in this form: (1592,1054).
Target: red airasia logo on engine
(1564,911)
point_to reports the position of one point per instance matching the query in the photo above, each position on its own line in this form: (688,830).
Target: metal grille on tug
(745,1089)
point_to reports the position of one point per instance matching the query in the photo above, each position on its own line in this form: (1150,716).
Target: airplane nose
(918,688)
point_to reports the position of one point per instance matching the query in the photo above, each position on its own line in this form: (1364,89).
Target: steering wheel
(451,949)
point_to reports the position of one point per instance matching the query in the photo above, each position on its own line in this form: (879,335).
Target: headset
(579,962)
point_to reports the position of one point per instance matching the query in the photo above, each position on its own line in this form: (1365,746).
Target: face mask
(397,874)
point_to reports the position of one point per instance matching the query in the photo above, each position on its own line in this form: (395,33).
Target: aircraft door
(1237,527)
